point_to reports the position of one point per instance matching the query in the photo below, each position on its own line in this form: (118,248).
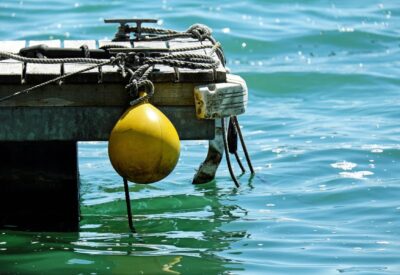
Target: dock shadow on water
(177,234)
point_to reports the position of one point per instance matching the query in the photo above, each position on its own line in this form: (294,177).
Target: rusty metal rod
(236,123)
(128,206)
(239,162)
(228,160)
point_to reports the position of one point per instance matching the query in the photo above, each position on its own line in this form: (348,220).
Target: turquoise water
(322,127)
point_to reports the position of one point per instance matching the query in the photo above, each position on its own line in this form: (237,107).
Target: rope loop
(148,89)
(200,31)
(133,88)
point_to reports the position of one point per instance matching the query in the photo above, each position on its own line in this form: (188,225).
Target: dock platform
(39,131)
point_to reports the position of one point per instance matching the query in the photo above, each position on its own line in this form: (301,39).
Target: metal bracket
(124,30)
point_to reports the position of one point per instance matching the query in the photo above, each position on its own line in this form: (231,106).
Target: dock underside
(39,185)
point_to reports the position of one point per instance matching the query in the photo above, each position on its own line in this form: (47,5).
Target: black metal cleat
(124,30)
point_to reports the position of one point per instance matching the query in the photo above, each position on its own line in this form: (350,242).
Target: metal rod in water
(128,206)
(228,160)
(236,123)
(239,162)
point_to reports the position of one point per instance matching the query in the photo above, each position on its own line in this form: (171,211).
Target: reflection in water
(175,232)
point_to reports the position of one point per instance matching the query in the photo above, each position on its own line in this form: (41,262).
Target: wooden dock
(39,178)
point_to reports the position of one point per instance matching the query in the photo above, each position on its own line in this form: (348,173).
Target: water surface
(323,131)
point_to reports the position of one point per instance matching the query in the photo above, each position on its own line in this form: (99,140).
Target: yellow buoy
(144,146)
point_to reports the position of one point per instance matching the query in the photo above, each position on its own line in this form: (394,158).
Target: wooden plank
(50,43)
(11,73)
(37,73)
(103,43)
(111,74)
(88,123)
(92,76)
(67,95)
(89,77)
(166,94)
(173,94)
(11,70)
(78,43)
(150,44)
(12,46)
(190,75)
(220,72)
(161,73)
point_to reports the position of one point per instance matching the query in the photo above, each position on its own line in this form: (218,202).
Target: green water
(322,127)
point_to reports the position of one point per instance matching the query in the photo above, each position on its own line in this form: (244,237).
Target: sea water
(322,128)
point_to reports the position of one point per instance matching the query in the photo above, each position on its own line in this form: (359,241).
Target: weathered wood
(219,100)
(166,94)
(37,73)
(11,70)
(89,77)
(39,187)
(92,76)
(160,73)
(12,46)
(103,43)
(111,74)
(87,123)
(11,73)
(78,43)
(220,72)
(189,75)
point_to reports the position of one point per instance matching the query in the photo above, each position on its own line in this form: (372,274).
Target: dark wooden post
(39,185)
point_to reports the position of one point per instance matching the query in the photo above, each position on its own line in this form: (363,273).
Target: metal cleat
(124,30)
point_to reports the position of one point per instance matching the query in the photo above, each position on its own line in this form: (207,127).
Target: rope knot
(133,87)
(200,31)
